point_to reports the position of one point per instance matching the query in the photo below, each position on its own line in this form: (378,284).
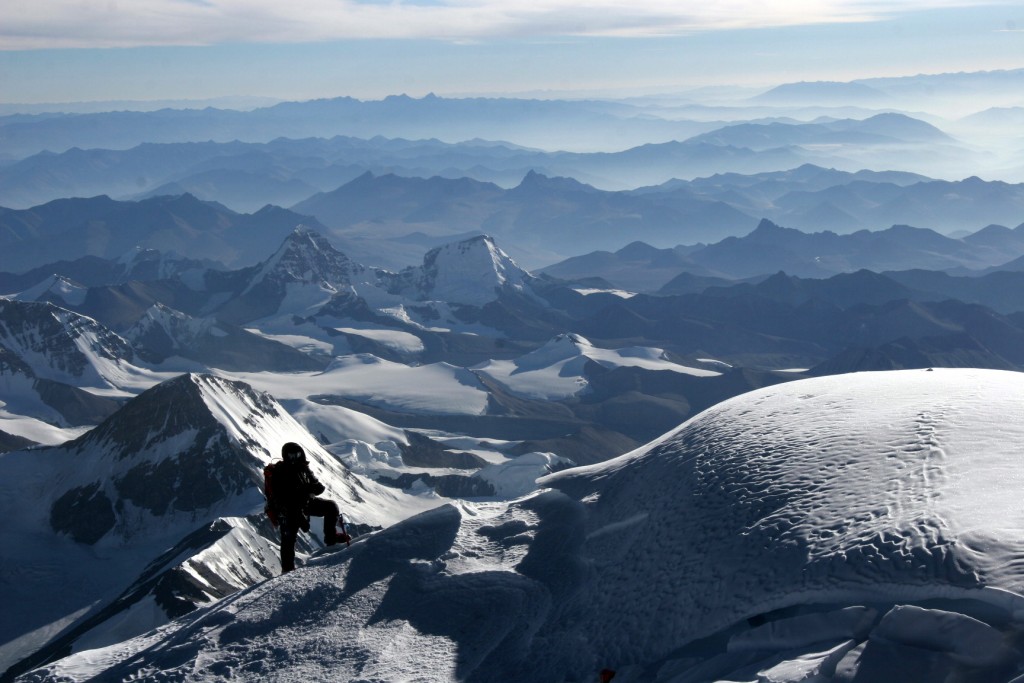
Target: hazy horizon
(67,52)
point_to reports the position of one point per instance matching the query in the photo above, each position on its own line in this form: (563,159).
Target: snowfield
(555,371)
(859,527)
(435,389)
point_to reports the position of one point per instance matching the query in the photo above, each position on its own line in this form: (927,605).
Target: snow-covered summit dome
(865,487)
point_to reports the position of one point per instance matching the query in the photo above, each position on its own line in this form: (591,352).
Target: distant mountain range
(770,248)
(555,124)
(469,301)
(390,219)
(200,231)
(248,175)
(928,91)
(880,129)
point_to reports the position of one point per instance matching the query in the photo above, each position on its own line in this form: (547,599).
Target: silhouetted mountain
(688,283)
(814,199)
(704,210)
(961,88)
(843,290)
(542,216)
(555,124)
(785,321)
(243,190)
(999,240)
(949,351)
(823,93)
(636,267)
(412,200)
(770,248)
(654,163)
(87,270)
(100,226)
(997,116)
(882,129)
(1000,290)
(1015,265)
(247,176)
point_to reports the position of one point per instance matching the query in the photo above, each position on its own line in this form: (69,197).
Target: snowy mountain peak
(561,347)
(195,444)
(299,279)
(62,345)
(161,506)
(538,183)
(136,254)
(56,289)
(470,272)
(163,330)
(306,256)
(192,445)
(576,340)
(145,264)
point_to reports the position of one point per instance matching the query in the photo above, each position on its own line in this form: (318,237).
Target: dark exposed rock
(422,451)
(78,407)
(84,513)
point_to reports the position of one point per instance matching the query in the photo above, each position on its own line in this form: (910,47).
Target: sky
(89,50)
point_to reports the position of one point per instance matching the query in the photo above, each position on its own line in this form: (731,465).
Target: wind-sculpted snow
(878,486)
(852,528)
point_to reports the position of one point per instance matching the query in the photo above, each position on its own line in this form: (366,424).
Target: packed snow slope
(862,527)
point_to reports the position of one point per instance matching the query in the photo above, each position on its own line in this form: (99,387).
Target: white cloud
(33,24)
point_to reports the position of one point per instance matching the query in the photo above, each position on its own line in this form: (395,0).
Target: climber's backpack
(272,505)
